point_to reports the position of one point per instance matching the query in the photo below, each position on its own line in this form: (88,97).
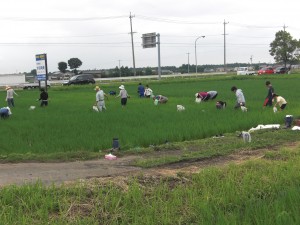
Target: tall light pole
(196,50)
(188,62)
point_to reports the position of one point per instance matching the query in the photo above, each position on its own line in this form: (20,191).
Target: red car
(266,70)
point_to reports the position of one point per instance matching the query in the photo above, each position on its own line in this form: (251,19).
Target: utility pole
(225,69)
(158,52)
(188,62)
(251,60)
(132,46)
(285,45)
(119,67)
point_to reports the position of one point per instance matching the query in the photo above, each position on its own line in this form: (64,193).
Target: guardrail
(124,79)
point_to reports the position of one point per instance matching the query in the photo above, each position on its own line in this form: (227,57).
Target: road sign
(41,66)
(149,40)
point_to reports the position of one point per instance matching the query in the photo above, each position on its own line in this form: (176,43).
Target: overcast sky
(98,31)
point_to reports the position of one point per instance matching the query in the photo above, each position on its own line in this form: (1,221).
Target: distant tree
(74,63)
(148,71)
(62,66)
(139,72)
(117,72)
(283,47)
(33,72)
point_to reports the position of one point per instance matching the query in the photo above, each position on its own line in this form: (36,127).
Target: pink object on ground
(110,157)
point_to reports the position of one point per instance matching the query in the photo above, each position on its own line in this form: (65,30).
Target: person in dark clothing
(43,98)
(141,90)
(269,99)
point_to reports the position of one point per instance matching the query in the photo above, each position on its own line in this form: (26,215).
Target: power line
(77,36)
(253,26)
(242,36)
(157,19)
(41,19)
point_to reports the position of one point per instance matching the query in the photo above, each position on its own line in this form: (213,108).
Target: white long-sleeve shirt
(10,93)
(239,96)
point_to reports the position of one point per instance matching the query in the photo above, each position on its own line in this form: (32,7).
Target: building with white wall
(12,79)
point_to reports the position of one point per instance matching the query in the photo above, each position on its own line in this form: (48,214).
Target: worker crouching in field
(160,99)
(220,105)
(205,96)
(5,112)
(280,101)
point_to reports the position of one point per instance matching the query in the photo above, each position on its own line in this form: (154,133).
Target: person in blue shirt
(5,112)
(141,90)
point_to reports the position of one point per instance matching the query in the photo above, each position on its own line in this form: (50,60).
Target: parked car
(245,71)
(265,70)
(281,70)
(81,79)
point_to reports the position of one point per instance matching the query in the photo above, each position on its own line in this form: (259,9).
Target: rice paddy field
(260,191)
(69,125)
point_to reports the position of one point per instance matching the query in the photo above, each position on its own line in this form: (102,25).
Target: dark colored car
(81,79)
(266,70)
(281,70)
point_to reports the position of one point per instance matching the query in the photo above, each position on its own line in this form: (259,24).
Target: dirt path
(58,173)
(48,173)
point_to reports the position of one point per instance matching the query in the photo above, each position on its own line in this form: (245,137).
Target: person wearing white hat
(5,112)
(124,95)
(100,103)
(10,96)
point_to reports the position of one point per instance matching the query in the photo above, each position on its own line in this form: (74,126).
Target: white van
(245,71)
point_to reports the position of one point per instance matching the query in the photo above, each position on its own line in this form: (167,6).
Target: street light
(196,50)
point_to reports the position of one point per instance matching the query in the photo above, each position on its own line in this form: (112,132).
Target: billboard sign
(41,67)
(149,40)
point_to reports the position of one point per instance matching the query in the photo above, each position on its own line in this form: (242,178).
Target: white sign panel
(149,40)
(41,66)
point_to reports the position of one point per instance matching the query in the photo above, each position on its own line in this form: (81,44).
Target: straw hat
(122,87)
(7,87)
(97,88)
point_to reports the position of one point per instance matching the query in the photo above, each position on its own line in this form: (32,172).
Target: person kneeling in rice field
(5,112)
(280,101)
(160,99)
(209,95)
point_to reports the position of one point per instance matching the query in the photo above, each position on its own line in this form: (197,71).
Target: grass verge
(262,191)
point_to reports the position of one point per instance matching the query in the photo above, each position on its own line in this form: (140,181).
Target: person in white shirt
(280,101)
(100,95)
(148,92)
(240,99)
(124,95)
(10,96)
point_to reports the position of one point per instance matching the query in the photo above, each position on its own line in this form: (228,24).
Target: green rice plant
(69,124)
